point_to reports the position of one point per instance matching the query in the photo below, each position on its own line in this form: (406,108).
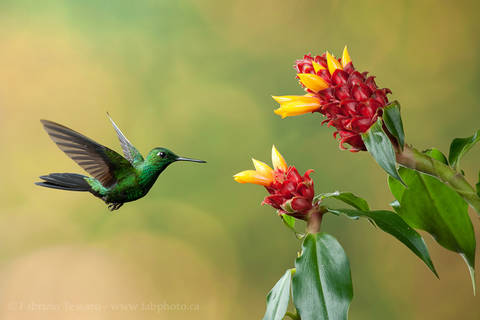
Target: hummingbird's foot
(114,206)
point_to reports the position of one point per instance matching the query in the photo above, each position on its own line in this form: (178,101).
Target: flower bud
(290,192)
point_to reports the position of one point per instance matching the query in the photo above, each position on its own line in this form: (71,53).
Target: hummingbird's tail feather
(65,181)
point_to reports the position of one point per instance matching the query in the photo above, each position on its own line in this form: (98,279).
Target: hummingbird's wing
(101,162)
(130,152)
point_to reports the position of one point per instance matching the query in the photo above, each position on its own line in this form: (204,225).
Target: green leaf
(393,224)
(396,187)
(393,122)
(381,149)
(347,197)
(430,205)
(290,223)
(322,284)
(278,298)
(437,155)
(459,147)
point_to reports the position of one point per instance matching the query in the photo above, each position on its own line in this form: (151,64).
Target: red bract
(291,193)
(351,101)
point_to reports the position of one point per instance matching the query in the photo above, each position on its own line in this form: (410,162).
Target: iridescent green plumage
(115,179)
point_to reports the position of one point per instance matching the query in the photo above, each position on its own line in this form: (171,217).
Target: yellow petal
(278,161)
(290,110)
(263,168)
(252,176)
(333,63)
(317,67)
(345,57)
(282,99)
(296,105)
(312,81)
(307,98)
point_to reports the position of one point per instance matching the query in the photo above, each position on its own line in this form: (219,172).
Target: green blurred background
(196,76)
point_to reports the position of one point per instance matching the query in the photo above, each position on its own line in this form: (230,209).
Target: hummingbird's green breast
(126,189)
(130,186)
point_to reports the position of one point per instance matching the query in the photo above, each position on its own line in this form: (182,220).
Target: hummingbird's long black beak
(190,159)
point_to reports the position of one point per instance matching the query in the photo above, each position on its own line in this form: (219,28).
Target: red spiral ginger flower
(290,193)
(351,101)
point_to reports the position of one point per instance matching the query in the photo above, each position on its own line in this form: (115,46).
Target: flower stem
(314,219)
(414,159)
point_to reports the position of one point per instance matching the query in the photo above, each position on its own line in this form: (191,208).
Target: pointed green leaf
(290,223)
(396,187)
(430,205)
(393,224)
(459,147)
(437,155)
(393,122)
(381,148)
(347,197)
(322,284)
(278,298)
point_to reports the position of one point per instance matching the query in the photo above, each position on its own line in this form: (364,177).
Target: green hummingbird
(115,179)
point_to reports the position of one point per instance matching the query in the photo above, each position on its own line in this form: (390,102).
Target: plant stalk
(414,159)
(314,219)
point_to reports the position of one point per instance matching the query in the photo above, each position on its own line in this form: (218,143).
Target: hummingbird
(114,179)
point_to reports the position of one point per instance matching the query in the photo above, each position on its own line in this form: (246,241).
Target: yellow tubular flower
(282,99)
(278,161)
(252,176)
(263,174)
(333,63)
(317,67)
(345,57)
(312,81)
(288,192)
(263,168)
(296,105)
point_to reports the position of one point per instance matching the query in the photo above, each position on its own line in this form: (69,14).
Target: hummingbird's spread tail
(65,181)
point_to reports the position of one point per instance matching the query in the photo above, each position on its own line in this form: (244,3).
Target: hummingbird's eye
(162,154)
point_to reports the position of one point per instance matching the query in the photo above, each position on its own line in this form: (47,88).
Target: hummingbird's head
(162,157)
